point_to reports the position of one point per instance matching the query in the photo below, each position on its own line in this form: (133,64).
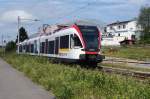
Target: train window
(90,35)
(35,47)
(51,47)
(20,48)
(32,48)
(28,48)
(46,46)
(71,41)
(43,46)
(40,47)
(64,41)
(77,42)
(56,45)
(25,48)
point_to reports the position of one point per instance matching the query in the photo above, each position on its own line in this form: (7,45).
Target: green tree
(10,46)
(144,21)
(22,35)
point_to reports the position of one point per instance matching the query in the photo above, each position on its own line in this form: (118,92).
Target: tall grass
(139,53)
(68,82)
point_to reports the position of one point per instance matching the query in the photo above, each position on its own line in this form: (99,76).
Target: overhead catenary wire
(71,12)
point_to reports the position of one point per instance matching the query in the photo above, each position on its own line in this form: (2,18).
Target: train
(73,44)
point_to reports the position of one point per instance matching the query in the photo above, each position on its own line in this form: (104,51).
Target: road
(14,85)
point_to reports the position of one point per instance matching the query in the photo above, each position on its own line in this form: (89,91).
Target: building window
(105,29)
(111,27)
(119,27)
(133,37)
(124,26)
(118,34)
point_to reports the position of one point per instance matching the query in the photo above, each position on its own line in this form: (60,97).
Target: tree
(23,35)
(144,22)
(10,46)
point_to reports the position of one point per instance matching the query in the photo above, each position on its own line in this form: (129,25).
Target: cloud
(11,16)
(138,2)
(1,24)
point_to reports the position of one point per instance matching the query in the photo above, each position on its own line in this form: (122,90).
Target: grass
(73,82)
(138,53)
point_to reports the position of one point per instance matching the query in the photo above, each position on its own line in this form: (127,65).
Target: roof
(120,22)
(90,22)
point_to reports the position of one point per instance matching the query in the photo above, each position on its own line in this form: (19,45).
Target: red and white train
(76,43)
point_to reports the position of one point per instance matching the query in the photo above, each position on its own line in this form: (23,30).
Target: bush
(10,46)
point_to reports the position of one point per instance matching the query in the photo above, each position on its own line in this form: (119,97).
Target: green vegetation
(139,53)
(73,82)
(144,22)
(10,46)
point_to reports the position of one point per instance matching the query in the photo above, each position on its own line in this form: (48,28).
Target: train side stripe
(80,34)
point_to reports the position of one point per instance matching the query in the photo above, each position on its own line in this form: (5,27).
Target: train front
(91,40)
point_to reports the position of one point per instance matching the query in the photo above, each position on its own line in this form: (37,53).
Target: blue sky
(61,11)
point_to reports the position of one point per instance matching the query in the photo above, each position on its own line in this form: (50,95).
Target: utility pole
(3,50)
(18,33)
(2,40)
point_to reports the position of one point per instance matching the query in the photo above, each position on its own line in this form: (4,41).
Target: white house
(120,30)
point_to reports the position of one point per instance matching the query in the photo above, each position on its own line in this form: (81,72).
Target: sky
(62,11)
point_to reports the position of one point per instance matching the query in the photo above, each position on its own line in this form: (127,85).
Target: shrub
(10,46)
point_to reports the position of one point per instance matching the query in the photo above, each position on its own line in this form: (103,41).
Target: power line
(73,12)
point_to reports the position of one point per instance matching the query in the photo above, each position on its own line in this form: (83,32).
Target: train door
(56,45)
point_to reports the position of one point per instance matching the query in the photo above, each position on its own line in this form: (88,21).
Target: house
(121,30)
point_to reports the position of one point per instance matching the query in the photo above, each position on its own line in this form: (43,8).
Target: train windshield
(90,36)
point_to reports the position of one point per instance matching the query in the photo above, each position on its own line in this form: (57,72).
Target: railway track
(125,72)
(124,60)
